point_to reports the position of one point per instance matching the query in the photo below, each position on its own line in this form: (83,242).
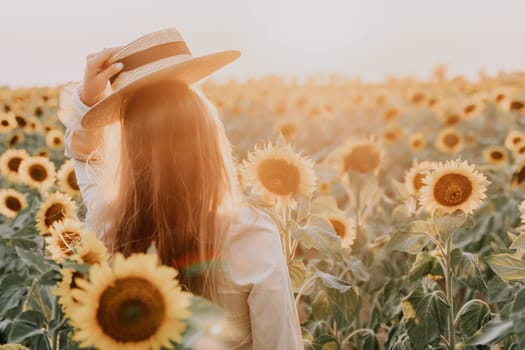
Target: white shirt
(257,293)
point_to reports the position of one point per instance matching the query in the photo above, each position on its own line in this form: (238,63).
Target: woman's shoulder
(253,246)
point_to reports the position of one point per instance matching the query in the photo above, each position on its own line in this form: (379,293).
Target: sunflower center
(450,140)
(452,189)
(339,227)
(362,158)
(520,176)
(72,180)
(67,241)
(13,203)
(5,123)
(418,181)
(91,258)
(470,108)
(14,163)
(516,105)
(452,120)
(131,310)
(279,176)
(73,284)
(20,121)
(54,213)
(516,140)
(497,155)
(38,172)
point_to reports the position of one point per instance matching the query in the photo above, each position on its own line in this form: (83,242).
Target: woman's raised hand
(96,75)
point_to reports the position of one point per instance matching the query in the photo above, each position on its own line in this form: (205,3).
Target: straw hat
(152,57)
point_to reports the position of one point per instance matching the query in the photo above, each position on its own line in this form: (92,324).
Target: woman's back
(253,287)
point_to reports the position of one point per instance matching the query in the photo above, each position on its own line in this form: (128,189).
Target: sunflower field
(399,204)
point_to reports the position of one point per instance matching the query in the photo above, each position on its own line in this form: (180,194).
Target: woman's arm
(80,144)
(85,145)
(260,268)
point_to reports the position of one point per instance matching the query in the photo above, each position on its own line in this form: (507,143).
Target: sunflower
(324,188)
(343,228)
(56,207)
(7,122)
(500,95)
(55,139)
(392,134)
(361,156)
(38,172)
(91,250)
(64,239)
(33,125)
(453,185)
(518,176)
(10,162)
(414,177)
(513,138)
(451,118)
(67,179)
(516,104)
(21,121)
(15,138)
(417,142)
(132,304)
(519,149)
(417,98)
(11,202)
(496,155)
(41,152)
(277,172)
(390,114)
(288,130)
(449,141)
(471,108)
(64,288)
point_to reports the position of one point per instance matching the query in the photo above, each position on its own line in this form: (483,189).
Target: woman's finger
(99,59)
(111,70)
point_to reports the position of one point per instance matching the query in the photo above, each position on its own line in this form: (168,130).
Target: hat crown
(147,41)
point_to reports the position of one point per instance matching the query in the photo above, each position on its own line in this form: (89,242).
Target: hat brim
(107,110)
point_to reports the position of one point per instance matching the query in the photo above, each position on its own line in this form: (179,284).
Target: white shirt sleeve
(258,267)
(77,142)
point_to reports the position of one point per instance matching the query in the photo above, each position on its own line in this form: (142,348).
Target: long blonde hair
(169,180)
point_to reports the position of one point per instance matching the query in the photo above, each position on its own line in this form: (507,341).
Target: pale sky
(45,42)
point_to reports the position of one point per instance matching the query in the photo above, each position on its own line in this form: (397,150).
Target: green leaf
(318,234)
(29,324)
(35,260)
(466,269)
(425,264)
(510,267)
(13,289)
(448,224)
(326,342)
(408,242)
(491,332)
(344,297)
(473,315)
(426,316)
(518,318)
(519,242)
(297,272)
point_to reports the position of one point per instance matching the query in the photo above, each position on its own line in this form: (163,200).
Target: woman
(154,167)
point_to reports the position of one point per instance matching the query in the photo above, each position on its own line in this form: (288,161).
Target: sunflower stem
(450,296)
(286,234)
